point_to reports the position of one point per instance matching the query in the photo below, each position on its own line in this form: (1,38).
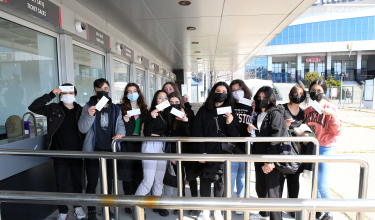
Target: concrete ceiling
(229,32)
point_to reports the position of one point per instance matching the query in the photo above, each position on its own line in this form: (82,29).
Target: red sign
(313,60)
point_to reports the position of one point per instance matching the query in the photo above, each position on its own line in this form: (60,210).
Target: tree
(310,77)
(331,82)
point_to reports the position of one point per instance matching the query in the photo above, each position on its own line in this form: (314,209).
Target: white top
(261,117)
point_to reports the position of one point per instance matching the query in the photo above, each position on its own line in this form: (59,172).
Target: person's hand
(154,113)
(268,167)
(202,161)
(229,118)
(250,128)
(185,119)
(117,136)
(329,112)
(92,110)
(288,122)
(186,98)
(56,91)
(173,161)
(126,118)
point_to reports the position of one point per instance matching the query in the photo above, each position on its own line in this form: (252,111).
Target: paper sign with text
(246,101)
(66,88)
(224,110)
(163,105)
(177,113)
(101,103)
(317,106)
(134,112)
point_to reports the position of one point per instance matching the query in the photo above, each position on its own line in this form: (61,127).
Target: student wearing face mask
(170,87)
(63,134)
(130,171)
(100,127)
(155,125)
(269,122)
(208,123)
(327,128)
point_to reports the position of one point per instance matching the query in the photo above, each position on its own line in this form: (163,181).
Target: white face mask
(68,99)
(239,94)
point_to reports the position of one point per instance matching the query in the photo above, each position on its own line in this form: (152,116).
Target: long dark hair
(210,101)
(173,123)
(174,85)
(243,86)
(322,83)
(125,102)
(154,102)
(294,90)
(269,95)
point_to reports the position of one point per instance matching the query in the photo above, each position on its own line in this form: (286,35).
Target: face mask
(239,94)
(297,98)
(261,104)
(68,99)
(100,94)
(220,97)
(316,96)
(176,106)
(133,97)
(169,92)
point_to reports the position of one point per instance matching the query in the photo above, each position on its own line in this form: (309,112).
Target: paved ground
(358,138)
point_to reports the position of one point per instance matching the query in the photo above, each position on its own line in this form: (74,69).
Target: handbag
(170,177)
(228,146)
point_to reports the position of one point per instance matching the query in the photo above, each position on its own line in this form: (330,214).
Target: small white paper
(101,103)
(163,105)
(224,110)
(304,128)
(134,112)
(246,101)
(317,106)
(177,113)
(66,88)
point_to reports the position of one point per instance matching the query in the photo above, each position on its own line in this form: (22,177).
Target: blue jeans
(238,173)
(324,174)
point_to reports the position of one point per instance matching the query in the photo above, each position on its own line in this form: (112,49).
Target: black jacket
(55,115)
(184,130)
(273,125)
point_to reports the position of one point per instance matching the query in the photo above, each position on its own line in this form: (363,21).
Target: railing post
(227,182)
(302,215)
(247,178)
(314,188)
(362,190)
(115,186)
(180,179)
(103,165)
(138,213)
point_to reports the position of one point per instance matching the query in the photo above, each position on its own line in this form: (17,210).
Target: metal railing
(211,157)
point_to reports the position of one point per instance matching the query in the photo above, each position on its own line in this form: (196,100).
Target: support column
(269,67)
(299,68)
(358,71)
(188,84)
(132,72)
(328,65)
(109,73)
(147,84)
(66,59)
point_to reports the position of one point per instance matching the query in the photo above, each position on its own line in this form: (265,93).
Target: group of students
(75,128)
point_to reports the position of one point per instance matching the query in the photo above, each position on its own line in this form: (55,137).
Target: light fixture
(197,52)
(199,58)
(119,46)
(140,59)
(80,26)
(194,42)
(184,3)
(191,28)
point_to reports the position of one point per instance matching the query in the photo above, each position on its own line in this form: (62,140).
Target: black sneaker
(293,214)
(155,210)
(194,213)
(91,215)
(327,217)
(163,212)
(318,215)
(176,211)
(129,210)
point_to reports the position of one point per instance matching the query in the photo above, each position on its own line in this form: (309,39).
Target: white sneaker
(218,215)
(257,217)
(62,216)
(205,215)
(79,213)
(239,212)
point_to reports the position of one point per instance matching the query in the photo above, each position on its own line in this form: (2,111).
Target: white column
(109,72)
(132,72)
(66,59)
(147,84)
(329,64)
(359,60)
(299,73)
(269,63)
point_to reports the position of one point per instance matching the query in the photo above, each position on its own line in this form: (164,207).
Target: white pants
(153,171)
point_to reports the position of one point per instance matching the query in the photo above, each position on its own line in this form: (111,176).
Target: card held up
(224,110)
(317,107)
(163,105)
(246,101)
(101,103)
(66,88)
(134,112)
(177,113)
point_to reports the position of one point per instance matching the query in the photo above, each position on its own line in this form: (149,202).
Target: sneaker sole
(66,217)
(79,216)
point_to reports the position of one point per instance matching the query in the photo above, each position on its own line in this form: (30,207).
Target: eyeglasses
(106,90)
(161,98)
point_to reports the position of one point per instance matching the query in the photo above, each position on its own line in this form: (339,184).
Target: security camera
(153,65)
(119,47)
(80,26)
(140,59)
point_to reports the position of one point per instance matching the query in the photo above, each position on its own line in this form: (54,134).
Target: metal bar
(314,182)
(302,215)
(266,204)
(180,179)
(362,190)
(138,213)
(227,184)
(115,177)
(103,166)
(247,178)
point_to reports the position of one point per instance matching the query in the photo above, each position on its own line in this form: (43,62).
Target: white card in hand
(178,113)
(317,106)
(163,105)
(134,112)
(66,88)
(224,110)
(246,101)
(101,103)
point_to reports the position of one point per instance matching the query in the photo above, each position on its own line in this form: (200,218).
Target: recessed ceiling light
(199,58)
(191,28)
(184,3)
(197,52)
(194,42)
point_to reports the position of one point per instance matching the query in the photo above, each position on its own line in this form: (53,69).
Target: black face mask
(220,97)
(261,104)
(176,106)
(316,96)
(297,98)
(100,94)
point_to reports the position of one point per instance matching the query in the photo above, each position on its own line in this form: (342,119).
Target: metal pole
(180,180)
(341,91)
(360,100)
(314,188)
(138,213)
(227,182)
(103,165)
(302,215)
(247,178)
(115,177)
(362,190)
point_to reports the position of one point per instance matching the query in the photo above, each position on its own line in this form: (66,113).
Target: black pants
(193,183)
(268,186)
(205,189)
(292,181)
(92,173)
(63,167)
(131,187)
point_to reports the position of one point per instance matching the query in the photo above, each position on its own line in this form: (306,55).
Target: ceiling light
(194,42)
(199,58)
(191,28)
(197,52)
(184,3)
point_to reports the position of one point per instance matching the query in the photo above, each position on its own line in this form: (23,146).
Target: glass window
(291,34)
(159,82)
(336,67)
(153,86)
(297,33)
(315,32)
(303,33)
(321,68)
(279,40)
(352,29)
(333,31)
(358,27)
(122,77)
(309,33)
(346,28)
(321,32)
(88,66)
(364,28)
(28,69)
(140,79)
(327,31)
(339,30)
(371,28)
(364,67)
